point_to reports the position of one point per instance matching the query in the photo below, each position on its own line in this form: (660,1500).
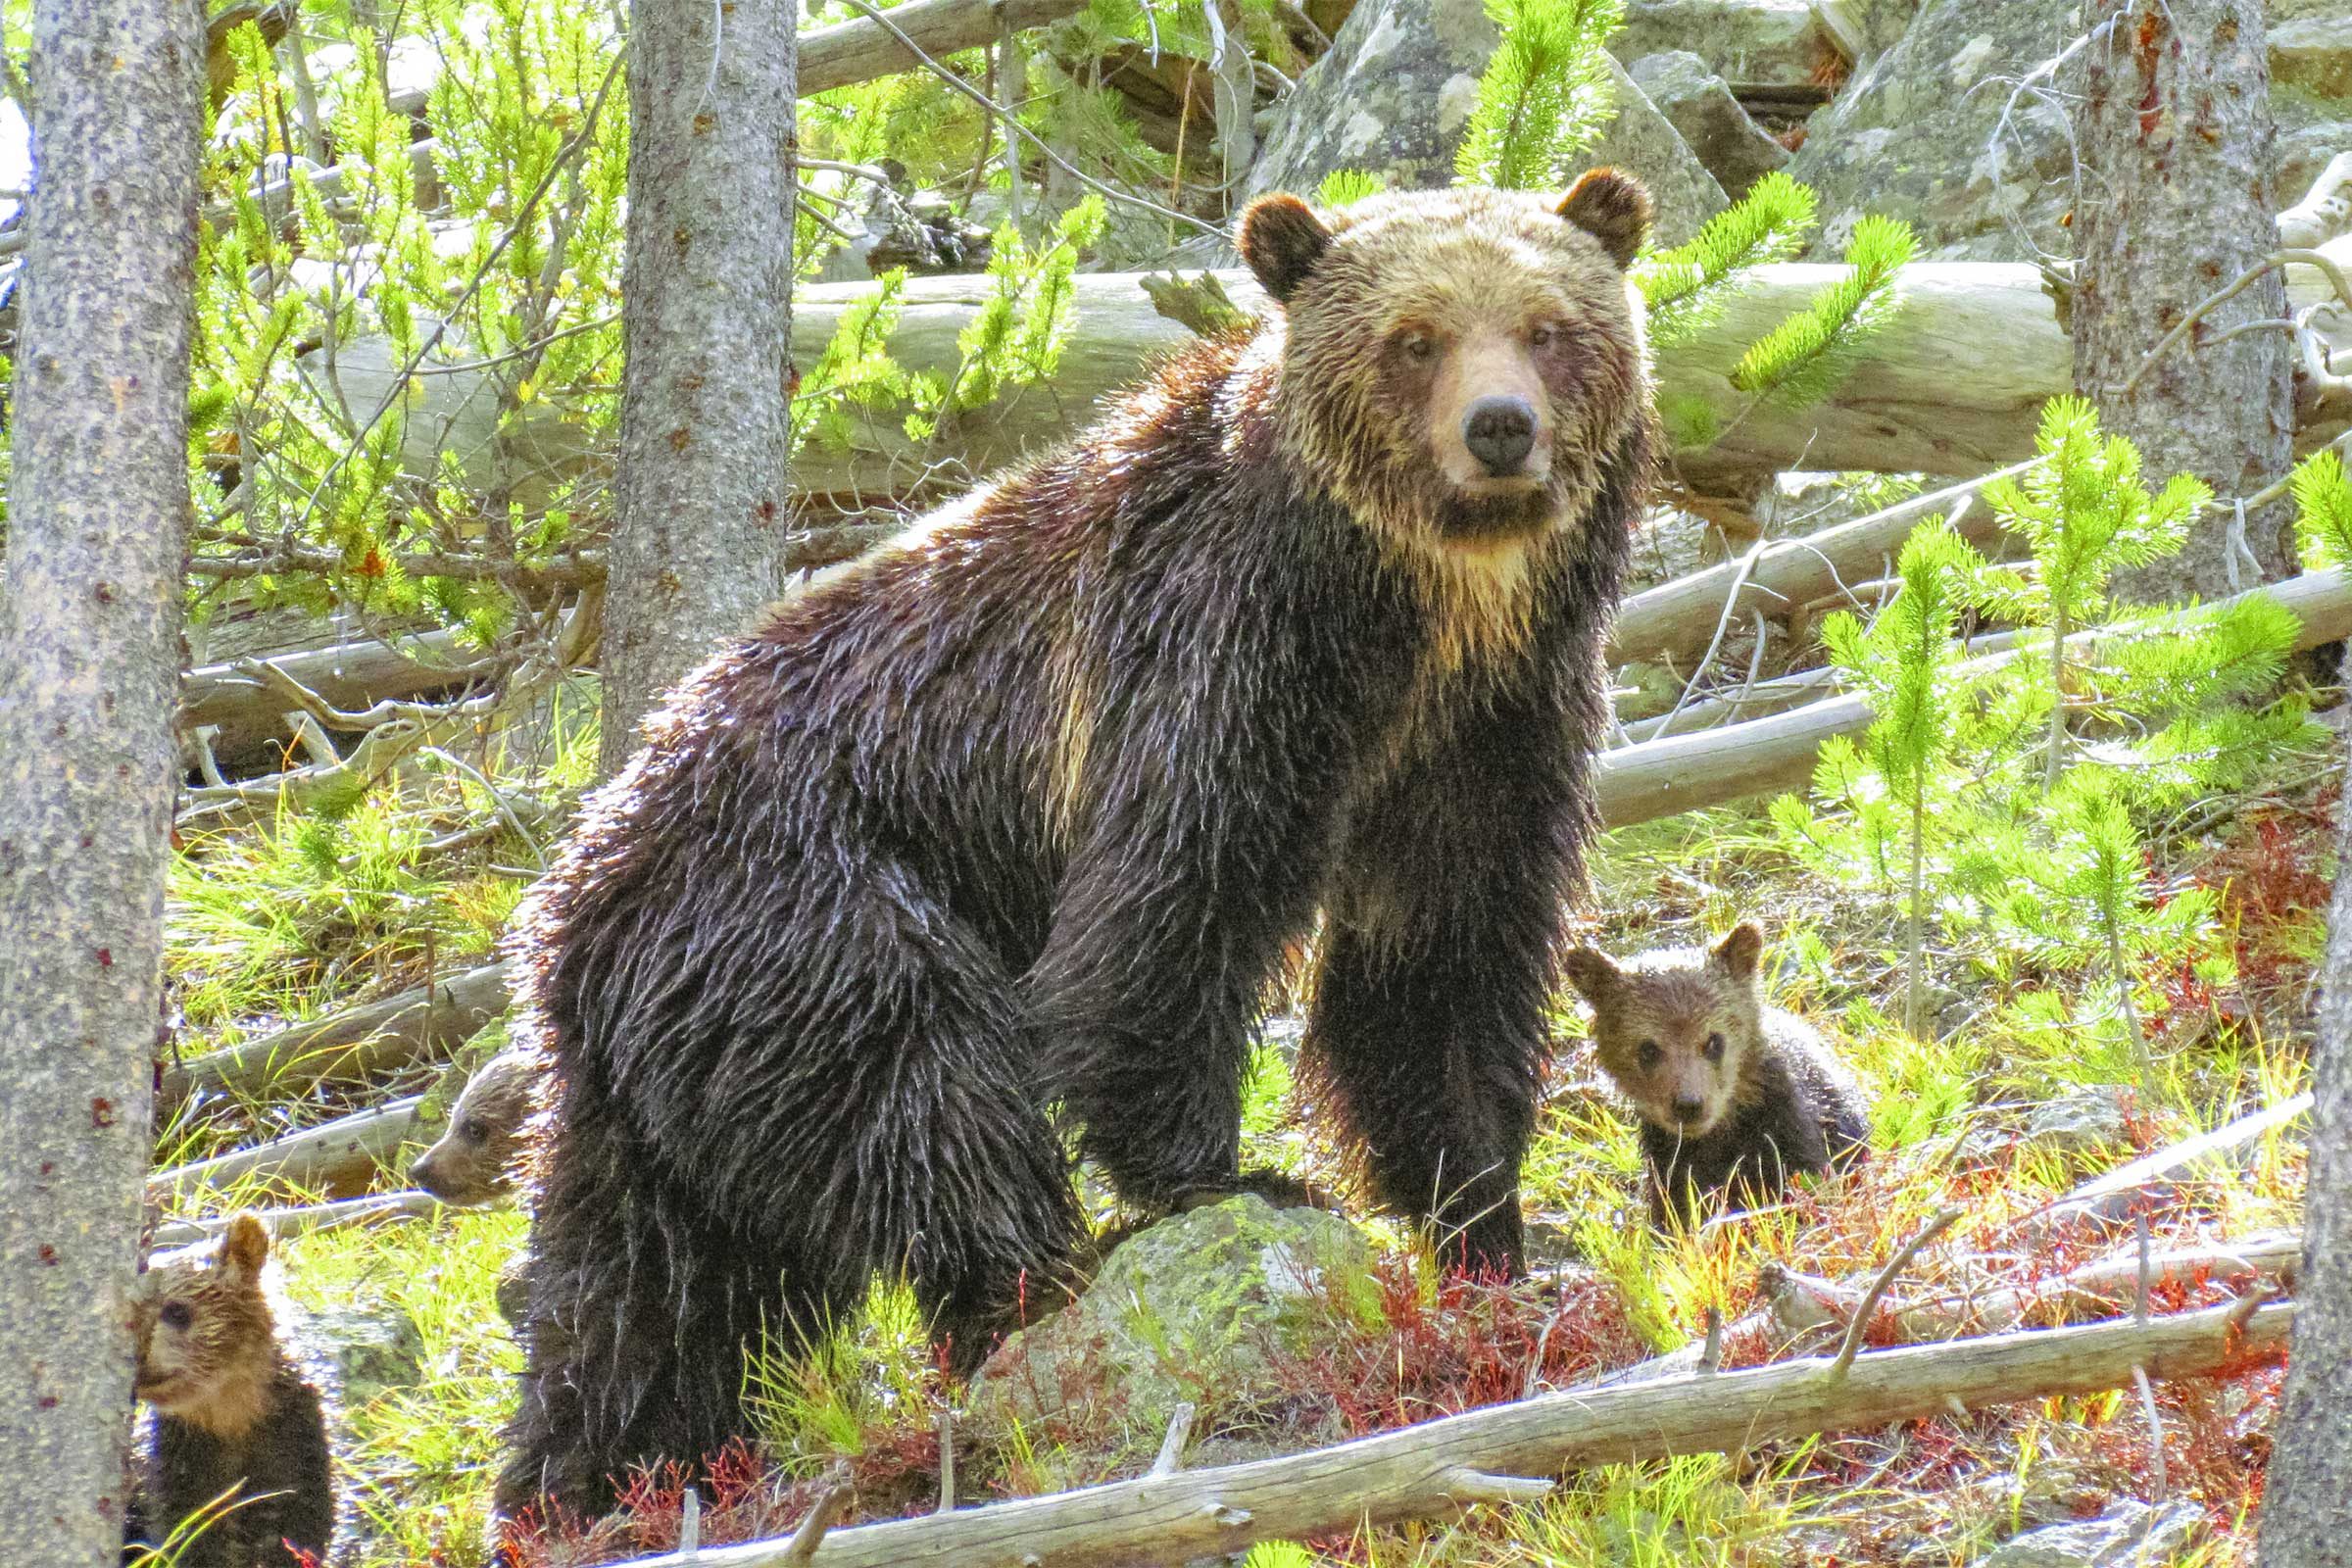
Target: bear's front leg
(1427,1038)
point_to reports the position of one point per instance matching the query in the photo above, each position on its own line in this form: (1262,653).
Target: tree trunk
(2310,1469)
(89,671)
(698,498)
(2176,199)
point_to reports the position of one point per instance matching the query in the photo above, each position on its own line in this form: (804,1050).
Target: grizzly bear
(472,1161)
(1001,833)
(1732,1094)
(234,1413)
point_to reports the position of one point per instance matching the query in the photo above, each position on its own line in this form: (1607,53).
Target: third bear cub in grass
(1729,1092)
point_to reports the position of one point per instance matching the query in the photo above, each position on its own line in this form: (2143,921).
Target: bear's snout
(1500,431)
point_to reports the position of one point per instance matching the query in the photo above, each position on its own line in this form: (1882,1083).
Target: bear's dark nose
(1500,432)
(1689,1106)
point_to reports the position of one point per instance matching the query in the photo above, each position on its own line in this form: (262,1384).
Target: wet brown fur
(1001,834)
(231,1403)
(1772,1101)
(472,1161)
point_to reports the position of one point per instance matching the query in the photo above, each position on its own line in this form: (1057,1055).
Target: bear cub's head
(1676,1029)
(1459,365)
(204,1331)
(472,1161)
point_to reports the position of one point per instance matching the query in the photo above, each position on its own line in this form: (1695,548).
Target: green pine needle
(1545,96)
(1345,187)
(1800,359)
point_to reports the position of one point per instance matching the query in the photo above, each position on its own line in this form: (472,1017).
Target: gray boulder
(1756,43)
(1699,104)
(2112,1541)
(1394,94)
(1199,1308)
(1920,135)
(2079,1121)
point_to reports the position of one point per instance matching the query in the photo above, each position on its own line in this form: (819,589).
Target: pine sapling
(2082,514)
(1901,660)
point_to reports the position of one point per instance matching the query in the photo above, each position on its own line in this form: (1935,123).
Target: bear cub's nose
(1687,1106)
(1500,432)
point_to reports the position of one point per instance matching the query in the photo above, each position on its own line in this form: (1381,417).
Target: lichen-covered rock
(1775,43)
(2313,55)
(1199,1308)
(1914,136)
(1393,95)
(1920,135)
(1699,104)
(376,1347)
(2089,1117)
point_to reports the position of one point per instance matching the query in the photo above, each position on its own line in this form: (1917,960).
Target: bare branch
(1860,1326)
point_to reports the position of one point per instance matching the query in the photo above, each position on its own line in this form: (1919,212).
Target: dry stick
(2148,1271)
(1710,1359)
(1855,1330)
(836,1498)
(1171,1446)
(2147,1405)
(944,1424)
(1426,1470)
(689,1522)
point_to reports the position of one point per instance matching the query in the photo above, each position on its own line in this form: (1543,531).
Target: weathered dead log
(417,1025)
(1953,385)
(352,675)
(339,1158)
(852,52)
(303,1219)
(1764,755)
(1784,575)
(1492,1454)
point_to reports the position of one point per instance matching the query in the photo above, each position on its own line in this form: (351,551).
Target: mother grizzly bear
(1004,831)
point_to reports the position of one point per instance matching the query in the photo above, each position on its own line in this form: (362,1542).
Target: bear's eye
(176,1315)
(474,1130)
(1714,1048)
(1419,347)
(1651,1055)
(1542,337)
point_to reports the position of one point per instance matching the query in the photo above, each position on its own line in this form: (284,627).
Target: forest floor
(302,917)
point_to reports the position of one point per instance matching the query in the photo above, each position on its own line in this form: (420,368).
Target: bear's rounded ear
(1737,952)
(1612,206)
(1282,239)
(1589,970)
(246,1247)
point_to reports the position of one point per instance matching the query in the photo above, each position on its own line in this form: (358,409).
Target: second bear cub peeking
(1730,1093)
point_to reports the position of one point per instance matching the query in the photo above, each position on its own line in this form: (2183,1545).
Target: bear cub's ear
(1281,240)
(1612,206)
(1594,975)
(1739,951)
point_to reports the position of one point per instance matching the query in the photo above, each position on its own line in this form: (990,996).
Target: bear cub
(1730,1093)
(230,1406)
(471,1162)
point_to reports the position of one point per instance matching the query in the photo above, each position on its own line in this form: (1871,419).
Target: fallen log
(1953,384)
(417,1025)
(339,1158)
(302,1219)
(1495,1454)
(1765,755)
(352,675)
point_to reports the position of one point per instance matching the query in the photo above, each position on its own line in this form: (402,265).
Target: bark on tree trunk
(89,672)
(2303,1506)
(698,500)
(2176,199)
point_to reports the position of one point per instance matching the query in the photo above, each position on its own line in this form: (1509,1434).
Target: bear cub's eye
(176,1315)
(1714,1048)
(474,1130)
(1542,337)
(1418,346)
(1651,1055)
